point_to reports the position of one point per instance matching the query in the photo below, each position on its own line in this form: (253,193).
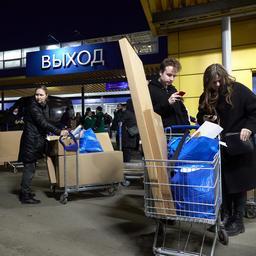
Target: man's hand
(175,97)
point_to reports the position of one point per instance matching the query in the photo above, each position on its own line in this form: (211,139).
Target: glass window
(1,55)
(11,55)
(71,44)
(32,49)
(12,63)
(1,65)
(52,46)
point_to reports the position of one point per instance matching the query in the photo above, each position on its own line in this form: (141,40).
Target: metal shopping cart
(133,170)
(250,206)
(188,210)
(72,146)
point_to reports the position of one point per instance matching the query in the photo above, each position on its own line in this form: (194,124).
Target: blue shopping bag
(193,191)
(89,143)
(193,184)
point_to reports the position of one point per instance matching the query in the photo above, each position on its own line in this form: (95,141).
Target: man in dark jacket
(32,144)
(167,102)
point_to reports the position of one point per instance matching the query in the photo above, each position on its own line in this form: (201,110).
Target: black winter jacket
(33,139)
(129,120)
(175,114)
(238,172)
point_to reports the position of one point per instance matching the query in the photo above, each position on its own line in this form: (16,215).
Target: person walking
(166,100)
(233,106)
(33,140)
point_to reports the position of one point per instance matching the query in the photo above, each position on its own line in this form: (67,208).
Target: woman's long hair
(211,95)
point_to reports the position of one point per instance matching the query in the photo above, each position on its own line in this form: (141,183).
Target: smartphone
(181,93)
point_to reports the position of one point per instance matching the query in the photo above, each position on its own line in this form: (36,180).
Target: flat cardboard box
(9,146)
(94,168)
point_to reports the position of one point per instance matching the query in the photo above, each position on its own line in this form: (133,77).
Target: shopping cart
(70,145)
(250,206)
(188,210)
(133,170)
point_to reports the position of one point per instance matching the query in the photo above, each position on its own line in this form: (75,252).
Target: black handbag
(235,146)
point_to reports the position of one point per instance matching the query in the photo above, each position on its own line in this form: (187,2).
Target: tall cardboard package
(150,127)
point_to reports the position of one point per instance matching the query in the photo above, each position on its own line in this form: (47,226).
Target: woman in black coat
(233,106)
(33,139)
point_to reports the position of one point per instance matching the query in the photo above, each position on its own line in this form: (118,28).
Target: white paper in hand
(208,129)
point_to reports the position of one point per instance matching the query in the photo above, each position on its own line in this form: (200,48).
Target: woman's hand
(210,118)
(64,133)
(245,134)
(174,97)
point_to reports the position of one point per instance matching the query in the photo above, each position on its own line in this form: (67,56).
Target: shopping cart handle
(181,127)
(72,144)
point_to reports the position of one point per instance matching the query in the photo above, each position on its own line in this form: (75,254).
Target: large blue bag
(193,184)
(89,143)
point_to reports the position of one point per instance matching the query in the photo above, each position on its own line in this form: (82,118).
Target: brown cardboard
(149,124)
(105,141)
(51,170)
(56,148)
(94,168)
(9,145)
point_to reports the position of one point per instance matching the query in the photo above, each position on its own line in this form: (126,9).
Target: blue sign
(85,58)
(116,86)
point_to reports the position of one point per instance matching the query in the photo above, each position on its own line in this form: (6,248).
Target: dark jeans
(127,154)
(28,173)
(234,203)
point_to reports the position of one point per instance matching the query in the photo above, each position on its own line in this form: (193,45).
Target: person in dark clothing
(233,106)
(15,120)
(165,98)
(65,119)
(129,141)
(116,121)
(33,139)
(89,121)
(99,120)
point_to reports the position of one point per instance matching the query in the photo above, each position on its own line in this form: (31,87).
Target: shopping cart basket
(72,146)
(195,204)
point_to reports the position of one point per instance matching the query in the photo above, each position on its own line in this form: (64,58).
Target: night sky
(24,25)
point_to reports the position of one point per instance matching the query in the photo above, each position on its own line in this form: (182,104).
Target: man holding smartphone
(166,100)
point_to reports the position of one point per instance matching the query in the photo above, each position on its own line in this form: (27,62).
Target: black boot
(228,219)
(236,226)
(28,198)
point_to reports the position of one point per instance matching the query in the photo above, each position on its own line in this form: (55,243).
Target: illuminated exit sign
(85,58)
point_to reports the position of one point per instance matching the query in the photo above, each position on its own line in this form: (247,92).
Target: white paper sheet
(208,129)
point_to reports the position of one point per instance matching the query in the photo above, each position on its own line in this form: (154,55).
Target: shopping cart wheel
(112,190)
(125,183)
(223,236)
(53,189)
(250,211)
(64,198)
